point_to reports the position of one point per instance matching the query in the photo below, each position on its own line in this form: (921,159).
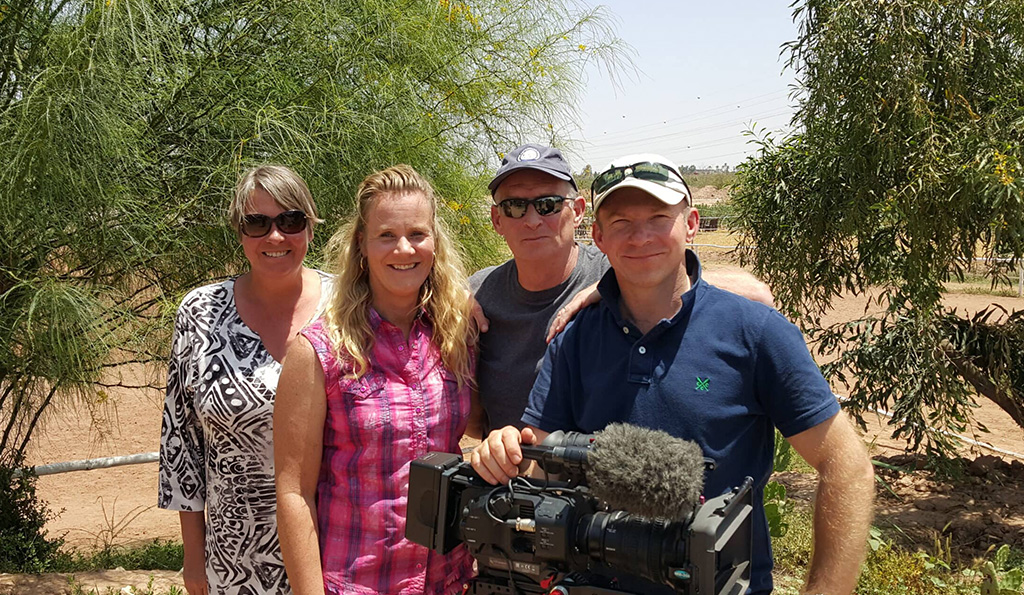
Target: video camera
(559,537)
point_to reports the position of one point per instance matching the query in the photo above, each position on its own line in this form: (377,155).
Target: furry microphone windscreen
(646,472)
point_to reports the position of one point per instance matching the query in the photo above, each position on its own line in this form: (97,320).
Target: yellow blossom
(1003,169)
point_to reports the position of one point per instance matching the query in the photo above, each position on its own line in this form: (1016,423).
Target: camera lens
(631,544)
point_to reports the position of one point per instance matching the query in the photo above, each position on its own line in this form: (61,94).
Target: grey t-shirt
(512,349)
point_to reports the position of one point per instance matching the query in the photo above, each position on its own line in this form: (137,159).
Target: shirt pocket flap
(369,386)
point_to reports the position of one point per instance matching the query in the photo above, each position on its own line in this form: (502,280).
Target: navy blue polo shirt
(723,372)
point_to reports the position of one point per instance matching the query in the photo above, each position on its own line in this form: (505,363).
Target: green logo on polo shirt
(702,383)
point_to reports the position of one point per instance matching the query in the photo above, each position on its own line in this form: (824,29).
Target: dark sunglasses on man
(289,222)
(544,205)
(658,173)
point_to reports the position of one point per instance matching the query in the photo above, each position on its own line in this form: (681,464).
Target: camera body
(547,536)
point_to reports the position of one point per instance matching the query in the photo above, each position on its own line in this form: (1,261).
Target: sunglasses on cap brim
(658,173)
(288,222)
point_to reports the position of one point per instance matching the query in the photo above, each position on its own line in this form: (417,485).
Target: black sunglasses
(545,205)
(653,172)
(257,226)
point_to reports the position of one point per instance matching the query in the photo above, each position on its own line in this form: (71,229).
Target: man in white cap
(666,350)
(536,210)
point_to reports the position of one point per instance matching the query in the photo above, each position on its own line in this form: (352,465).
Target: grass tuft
(76,588)
(156,555)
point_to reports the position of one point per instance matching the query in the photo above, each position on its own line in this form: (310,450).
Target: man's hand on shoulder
(740,282)
(587,296)
(498,457)
(477,313)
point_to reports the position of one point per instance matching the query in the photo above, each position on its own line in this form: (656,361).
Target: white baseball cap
(649,172)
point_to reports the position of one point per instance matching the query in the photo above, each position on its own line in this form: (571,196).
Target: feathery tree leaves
(906,167)
(124,124)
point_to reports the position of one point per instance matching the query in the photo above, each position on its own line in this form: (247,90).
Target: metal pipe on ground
(100,463)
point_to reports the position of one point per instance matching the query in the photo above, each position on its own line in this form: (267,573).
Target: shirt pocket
(367,402)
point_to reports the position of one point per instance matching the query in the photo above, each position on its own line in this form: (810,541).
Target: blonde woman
(216,459)
(383,378)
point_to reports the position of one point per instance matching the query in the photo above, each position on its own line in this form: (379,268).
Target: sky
(708,71)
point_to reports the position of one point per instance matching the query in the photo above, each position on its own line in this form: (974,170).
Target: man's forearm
(842,515)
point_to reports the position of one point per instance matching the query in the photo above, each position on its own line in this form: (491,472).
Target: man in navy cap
(536,209)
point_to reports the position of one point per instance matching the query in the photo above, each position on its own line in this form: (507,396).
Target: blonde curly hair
(444,295)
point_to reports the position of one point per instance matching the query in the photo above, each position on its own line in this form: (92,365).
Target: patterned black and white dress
(215,446)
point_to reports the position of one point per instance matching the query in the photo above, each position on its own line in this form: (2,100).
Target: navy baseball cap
(546,159)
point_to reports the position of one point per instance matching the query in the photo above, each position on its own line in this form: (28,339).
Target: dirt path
(114,582)
(114,506)
(117,506)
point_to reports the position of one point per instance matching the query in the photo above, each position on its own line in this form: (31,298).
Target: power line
(690,133)
(609,152)
(694,116)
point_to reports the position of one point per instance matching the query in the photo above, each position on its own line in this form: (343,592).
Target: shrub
(24,545)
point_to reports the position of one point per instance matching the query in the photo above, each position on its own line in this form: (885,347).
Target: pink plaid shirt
(406,405)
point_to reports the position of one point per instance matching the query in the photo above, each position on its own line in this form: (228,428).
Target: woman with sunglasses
(383,378)
(216,455)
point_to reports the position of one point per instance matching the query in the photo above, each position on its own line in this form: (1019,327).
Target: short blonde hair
(444,295)
(287,188)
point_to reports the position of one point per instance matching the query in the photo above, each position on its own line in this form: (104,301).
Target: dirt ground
(116,506)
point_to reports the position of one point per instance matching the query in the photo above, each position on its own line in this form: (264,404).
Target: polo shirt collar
(611,294)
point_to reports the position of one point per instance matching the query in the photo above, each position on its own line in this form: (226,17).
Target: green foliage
(24,544)
(998,577)
(76,588)
(584,179)
(792,549)
(125,123)
(875,540)
(776,508)
(907,166)
(156,555)
(783,458)
(719,209)
(715,179)
(893,570)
